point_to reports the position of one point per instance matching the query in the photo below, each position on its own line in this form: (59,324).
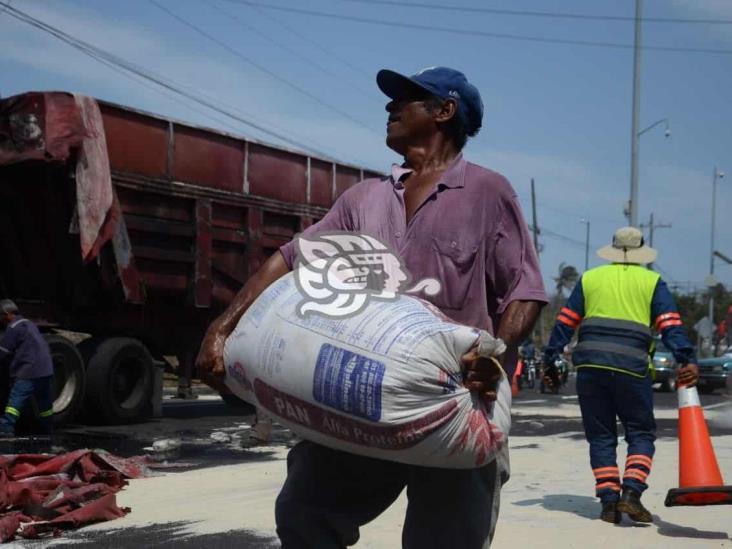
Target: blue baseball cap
(442,82)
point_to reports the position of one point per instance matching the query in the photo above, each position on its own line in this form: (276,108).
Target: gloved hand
(552,378)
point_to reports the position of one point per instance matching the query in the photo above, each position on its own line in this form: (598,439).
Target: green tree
(695,306)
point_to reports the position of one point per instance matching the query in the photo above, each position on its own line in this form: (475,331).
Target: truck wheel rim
(64,383)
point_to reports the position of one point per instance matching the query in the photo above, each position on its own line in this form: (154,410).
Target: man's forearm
(517,321)
(273,269)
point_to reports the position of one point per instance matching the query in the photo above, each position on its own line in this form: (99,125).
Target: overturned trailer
(137,230)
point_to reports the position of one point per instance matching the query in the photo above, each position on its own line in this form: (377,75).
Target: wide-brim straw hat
(628,247)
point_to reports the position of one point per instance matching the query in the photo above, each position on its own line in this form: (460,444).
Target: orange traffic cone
(514,380)
(700,481)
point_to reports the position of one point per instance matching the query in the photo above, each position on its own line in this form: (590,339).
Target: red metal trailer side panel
(345,178)
(321,183)
(208,159)
(277,174)
(136,143)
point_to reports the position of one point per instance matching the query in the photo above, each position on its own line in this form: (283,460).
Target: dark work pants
(21,393)
(603,396)
(329,494)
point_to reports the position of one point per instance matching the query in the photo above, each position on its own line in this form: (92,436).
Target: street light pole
(587,243)
(717,175)
(635,136)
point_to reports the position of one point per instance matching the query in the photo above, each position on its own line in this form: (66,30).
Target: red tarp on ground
(41,494)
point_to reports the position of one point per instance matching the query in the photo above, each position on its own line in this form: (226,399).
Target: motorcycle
(529,372)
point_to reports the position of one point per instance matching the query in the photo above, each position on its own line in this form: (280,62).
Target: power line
(130,71)
(547,14)
(295,32)
(560,236)
(291,51)
(262,68)
(469,32)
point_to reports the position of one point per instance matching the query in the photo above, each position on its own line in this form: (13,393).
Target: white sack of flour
(385,383)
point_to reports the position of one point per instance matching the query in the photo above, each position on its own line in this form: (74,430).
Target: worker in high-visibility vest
(614,306)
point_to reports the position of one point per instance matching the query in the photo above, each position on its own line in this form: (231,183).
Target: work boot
(610,512)
(631,505)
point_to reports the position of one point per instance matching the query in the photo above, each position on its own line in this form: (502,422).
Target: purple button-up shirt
(469,234)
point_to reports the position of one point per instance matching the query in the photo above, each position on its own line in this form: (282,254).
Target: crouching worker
(31,369)
(614,307)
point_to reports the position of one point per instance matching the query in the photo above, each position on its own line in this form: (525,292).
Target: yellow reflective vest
(615,332)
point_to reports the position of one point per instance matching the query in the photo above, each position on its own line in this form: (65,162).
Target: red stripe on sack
(392,437)
(571,314)
(568,321)
(613,485)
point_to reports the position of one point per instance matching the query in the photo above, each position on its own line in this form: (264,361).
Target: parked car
(714,373)
(665,367)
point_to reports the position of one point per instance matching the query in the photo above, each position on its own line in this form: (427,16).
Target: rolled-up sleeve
(512,267)
(338,218)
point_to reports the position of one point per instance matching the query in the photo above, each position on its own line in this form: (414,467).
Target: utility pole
(535,230)
(635,137)
(587,242)
(717,175)
(651,228)
(533,216)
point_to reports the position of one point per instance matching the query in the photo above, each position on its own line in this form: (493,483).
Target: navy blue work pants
(20,395)
(605,395)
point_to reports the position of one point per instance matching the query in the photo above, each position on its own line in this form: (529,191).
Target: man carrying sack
(615,306)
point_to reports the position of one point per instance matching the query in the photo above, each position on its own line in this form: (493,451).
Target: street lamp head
(720,175)
(667,133)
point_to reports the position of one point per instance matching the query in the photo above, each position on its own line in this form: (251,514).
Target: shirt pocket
(453,264)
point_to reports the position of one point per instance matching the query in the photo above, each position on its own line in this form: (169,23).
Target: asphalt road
(532,398)
(191,423)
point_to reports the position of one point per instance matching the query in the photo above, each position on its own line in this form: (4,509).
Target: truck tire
(119,381)
(69,378)
(88,347)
